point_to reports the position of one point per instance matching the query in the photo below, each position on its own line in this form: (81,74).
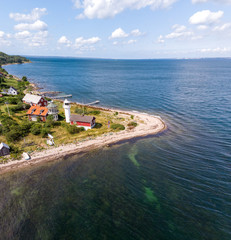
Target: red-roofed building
(36,112)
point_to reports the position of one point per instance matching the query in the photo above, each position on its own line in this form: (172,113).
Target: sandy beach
(147,125)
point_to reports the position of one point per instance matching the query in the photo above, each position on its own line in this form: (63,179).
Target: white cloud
(136,33)
(110,8)
(38,39)
(22,35)
(118,33)
(36,26)
(2,34)
(217,1)
(4,39)
(35,14)
(131,41)
(223,27)
(215,50)
(65,41)
(160,39)
(180,32)
(86,44)
(202,27)
(205,17)
(80,43)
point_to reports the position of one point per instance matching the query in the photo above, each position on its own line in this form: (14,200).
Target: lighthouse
(67,109)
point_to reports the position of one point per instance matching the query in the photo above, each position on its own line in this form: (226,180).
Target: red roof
(38,111)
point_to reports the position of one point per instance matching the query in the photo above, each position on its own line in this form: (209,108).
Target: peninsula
(51,134)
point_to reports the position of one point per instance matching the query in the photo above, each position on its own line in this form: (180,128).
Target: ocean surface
(174,186)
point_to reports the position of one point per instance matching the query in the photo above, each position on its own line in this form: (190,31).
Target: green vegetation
(7,59)
(72,129)
(117,126)
(23,135)
(132,125)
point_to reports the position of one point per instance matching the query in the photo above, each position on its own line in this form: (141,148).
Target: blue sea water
(176,185)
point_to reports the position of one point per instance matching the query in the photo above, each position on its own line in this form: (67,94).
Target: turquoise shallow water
(172,186)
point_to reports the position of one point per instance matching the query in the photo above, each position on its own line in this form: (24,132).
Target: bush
(132,124)
(116,113)
(14,134)
(117,126)
(24,78)
(45,131)
(12,100)
(132,117)
(72,129)
(25,127)
(57,123)
(50,121)
(36,129)
(15,152)
(95,112)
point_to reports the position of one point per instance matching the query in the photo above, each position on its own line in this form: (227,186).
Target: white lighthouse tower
(67,109)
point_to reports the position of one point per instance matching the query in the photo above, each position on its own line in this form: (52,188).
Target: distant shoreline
(6,64)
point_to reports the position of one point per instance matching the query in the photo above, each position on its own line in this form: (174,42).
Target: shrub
(132,117)
(117,126)
(12,100)
(57,123)
(25,127)
(132,124)
(95,112)
(15,152)
(72,129)
(116,113)
(14,134)
(36,129)
(45,131)
(24,78)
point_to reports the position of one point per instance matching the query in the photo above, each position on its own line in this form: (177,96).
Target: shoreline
(151,125)
(148,125)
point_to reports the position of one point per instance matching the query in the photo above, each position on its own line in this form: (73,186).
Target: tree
(24,78)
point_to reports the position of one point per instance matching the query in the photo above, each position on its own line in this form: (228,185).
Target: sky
(120,29)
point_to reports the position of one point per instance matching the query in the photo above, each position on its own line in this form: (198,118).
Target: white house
(35,100)
(12,91)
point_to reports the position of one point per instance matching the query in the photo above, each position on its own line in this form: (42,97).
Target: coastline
(148,125)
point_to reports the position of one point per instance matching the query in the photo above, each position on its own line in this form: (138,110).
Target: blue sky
(116,28)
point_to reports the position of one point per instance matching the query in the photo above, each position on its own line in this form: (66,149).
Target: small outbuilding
(88,122)
(34,100)
(4,149)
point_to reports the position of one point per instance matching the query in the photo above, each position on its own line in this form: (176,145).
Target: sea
(172,186)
